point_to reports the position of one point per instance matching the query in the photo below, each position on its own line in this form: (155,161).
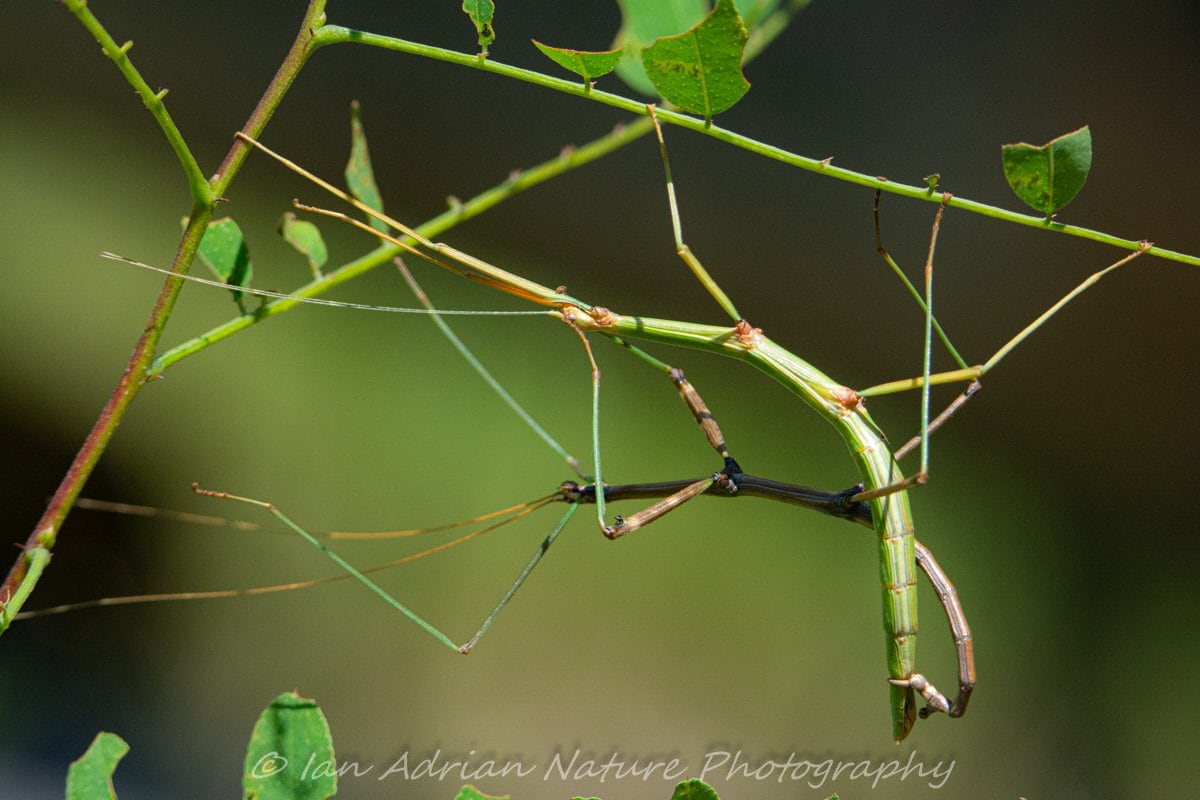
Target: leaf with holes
(480,12)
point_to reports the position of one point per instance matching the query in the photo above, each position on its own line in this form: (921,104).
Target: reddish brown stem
(45,533)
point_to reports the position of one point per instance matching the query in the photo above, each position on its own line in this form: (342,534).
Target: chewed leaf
(90,777)
(223,250)
(306,238)
(694,789)
(360,177)
(290,755)
(587,64)
(643,21)
(701,70)
(480,12)
(1048,177)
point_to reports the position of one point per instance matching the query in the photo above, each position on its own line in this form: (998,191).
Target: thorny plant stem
(204,194)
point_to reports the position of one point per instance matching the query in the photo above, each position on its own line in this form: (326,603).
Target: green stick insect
(881,502)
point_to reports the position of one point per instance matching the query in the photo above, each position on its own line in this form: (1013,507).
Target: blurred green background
(1059,499)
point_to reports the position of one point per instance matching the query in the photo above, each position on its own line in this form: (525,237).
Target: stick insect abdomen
(881,477)
(896,555)
(892,518)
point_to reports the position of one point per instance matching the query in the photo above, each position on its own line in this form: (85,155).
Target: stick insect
(884,485)
(880,503)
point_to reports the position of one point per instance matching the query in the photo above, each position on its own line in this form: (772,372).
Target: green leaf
(360,177)
(587,64)
(694,789)
(643,21)
(1047,177)
(223,250)
(306,238)
(90,777)
(701,70)
(480,12)
(469,792)
(290,756)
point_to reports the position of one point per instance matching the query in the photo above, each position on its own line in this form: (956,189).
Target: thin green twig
(197,183)
(336,34)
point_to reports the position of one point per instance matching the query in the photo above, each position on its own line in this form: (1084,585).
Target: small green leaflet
(223,250)
(290,755)
(360,177)
(1048,177)
(587,64)
(694,789)
(469,792)
(701,70)
(306,238)
(480,12)
(90,777)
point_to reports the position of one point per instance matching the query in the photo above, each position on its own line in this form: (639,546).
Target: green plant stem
(336,34)
(197,183)
(35,561)
(21,579)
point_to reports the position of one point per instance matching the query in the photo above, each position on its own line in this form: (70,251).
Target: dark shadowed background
(1059,502)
